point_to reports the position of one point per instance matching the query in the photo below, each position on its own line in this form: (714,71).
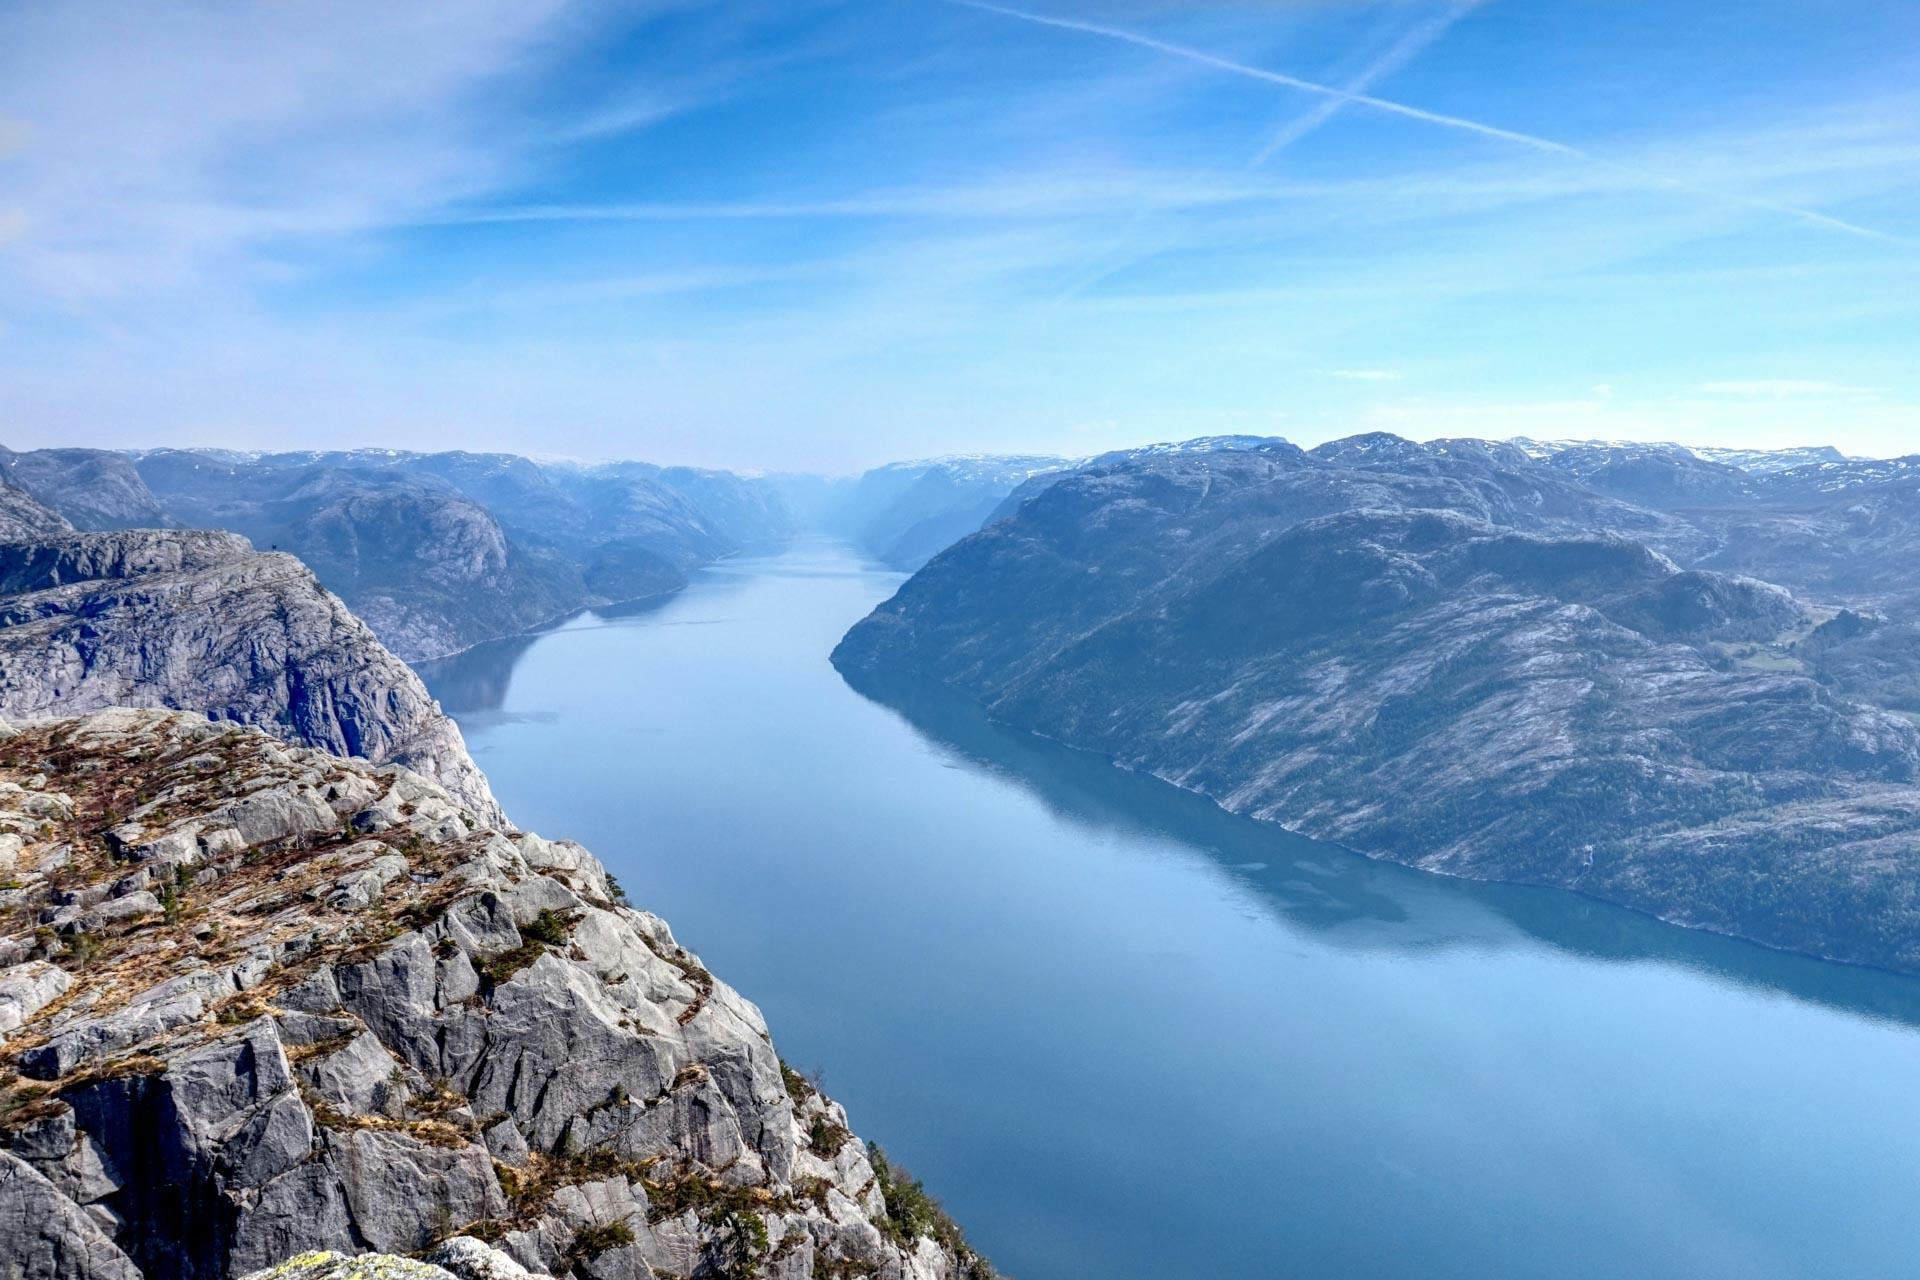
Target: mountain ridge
(1442,656)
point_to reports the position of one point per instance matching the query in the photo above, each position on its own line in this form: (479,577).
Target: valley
(1159,1012)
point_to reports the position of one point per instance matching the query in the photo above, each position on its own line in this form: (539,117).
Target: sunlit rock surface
(345,1013)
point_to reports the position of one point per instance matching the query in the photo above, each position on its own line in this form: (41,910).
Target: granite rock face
(355,1016)
(201,621)
(441,551)
(92,488)
(429,568)
(24,516)
(904,513)
(1426,653)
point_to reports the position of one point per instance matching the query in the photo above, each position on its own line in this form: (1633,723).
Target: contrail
(1344,97)
(1280,78)
(1406,49)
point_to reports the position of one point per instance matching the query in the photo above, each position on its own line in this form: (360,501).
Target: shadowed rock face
(93,488)
(1411,650)
(437,552)
(904,513)
(24,516)
(270,1001)
(431,569)
(201,621)
(1841,530)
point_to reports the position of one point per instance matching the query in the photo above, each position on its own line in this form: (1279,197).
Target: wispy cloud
(1339,95)
(1415,41)
(1785,388)
(179,146)
(1344,97)
(532,222)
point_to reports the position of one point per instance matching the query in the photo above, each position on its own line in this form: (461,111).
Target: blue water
(1124,1035)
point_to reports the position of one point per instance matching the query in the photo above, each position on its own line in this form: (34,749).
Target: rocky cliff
(24,516)
(431,569)
(259,1000)
(201,621)
(93,488)
(905,512)
(1413,650)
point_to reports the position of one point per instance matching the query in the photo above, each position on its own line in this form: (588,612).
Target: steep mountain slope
(263,1001)
(1415,651)
(441,551)
(628,502)
(904,513)
(92,488)
(1767,461)
(431,571)
(1841,530)
(747,511)
(201,621)
(437,551)
(24,516)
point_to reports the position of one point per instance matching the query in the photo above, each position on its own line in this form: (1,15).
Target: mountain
(429,569)
(1655,475)
(1839,530)
(92,488)
(747,511)
(1447,655)
(1758,462)
(264,1002)
(1767,461)
(201,621)
(24,516)
(440,551)
(905,512)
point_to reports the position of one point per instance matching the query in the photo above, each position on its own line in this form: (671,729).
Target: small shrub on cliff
(799,1088)
(912,1213)
(825,1138)
(83,949)
(591,1242)
(549,927)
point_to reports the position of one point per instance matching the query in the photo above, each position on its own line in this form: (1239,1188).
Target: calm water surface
(1124,1035)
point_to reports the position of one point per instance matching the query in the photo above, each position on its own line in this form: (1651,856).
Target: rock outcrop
(314,1004)
(24,516)
(203,622)
(1410,650)
(92,488)
(441,551)
(905,512)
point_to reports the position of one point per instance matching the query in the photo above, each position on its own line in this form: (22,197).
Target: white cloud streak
(1410,46)
(1462,124)
(1785,388)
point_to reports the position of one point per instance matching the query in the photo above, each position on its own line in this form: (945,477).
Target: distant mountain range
(441,551)
(436,551)
(1638,671)
(904,513)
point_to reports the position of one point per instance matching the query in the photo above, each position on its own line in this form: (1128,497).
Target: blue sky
(823,235)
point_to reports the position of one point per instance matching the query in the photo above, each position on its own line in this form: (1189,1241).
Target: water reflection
(1356,901)
(479,679)
(1131,1036)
